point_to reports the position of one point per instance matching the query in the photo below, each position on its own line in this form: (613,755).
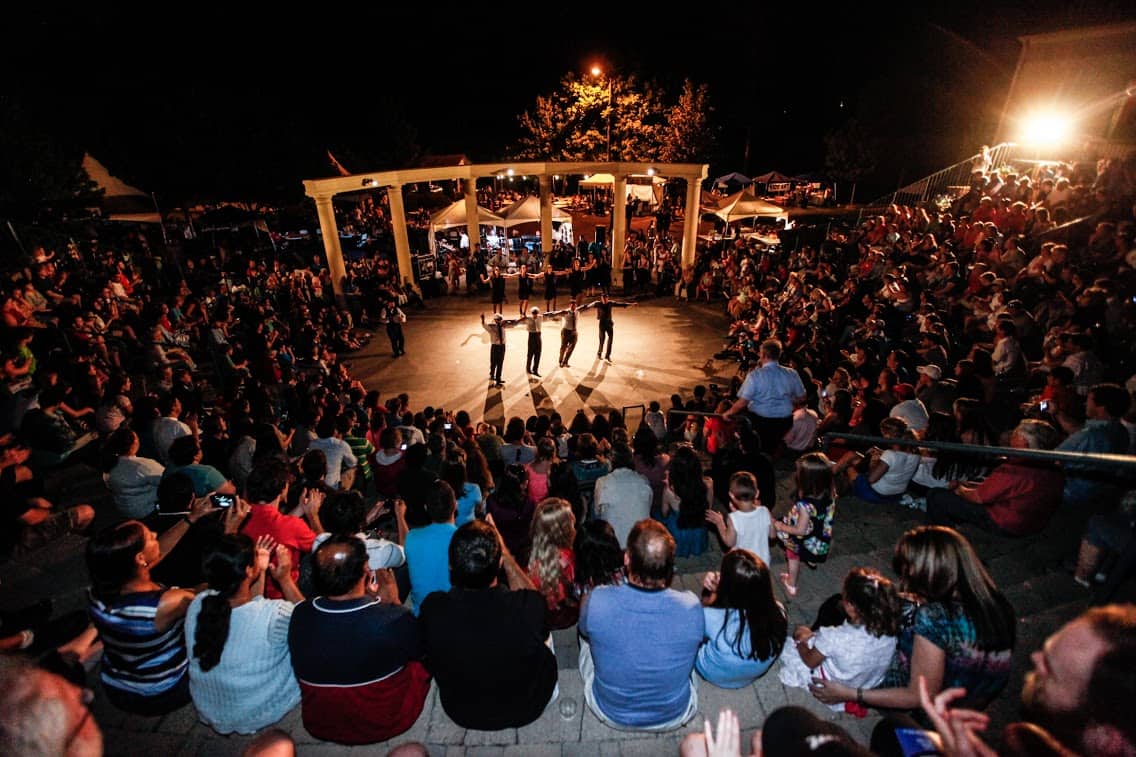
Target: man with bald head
(355,650)
(642,680)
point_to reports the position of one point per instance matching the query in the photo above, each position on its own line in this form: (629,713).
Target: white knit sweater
(253,685)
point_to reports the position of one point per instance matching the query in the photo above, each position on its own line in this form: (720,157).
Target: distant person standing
(568,332)
(393,318)
(769,392)
(603,307)
(496,345)
(533,324)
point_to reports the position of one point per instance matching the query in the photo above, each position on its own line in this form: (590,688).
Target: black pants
(945,508)
(568,339)
(771,431)
(496,361)
(532,360)
(606,330)
(398,343)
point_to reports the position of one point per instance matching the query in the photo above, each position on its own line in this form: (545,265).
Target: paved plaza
(659,349)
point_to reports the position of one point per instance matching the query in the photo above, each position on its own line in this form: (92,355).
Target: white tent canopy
(120,201)
(607,180)
(744,205)
(454,215)
(528,211)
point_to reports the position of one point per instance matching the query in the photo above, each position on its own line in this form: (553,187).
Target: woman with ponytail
(240,671)
(140,620)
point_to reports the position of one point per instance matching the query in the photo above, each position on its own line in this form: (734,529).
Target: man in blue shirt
(1103,433)
(427,547)
(769,391)
(642,680)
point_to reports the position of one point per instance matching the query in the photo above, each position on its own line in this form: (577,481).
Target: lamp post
(597,71)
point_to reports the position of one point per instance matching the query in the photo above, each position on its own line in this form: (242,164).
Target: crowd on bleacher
(349,548)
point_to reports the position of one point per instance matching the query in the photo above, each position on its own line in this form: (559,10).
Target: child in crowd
(656,420)
(749,524)
(806,530)
(882,476)
(856,652)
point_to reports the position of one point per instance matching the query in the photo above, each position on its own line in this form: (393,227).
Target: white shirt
(337,453)
(901,467)
(166,430)
(380,552)
(753,531)
(623,498)
(852,657)
(802,435)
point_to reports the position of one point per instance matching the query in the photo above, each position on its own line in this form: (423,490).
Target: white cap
(536,310)
(934,371)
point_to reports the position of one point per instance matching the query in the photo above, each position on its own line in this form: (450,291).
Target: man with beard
(1080,690)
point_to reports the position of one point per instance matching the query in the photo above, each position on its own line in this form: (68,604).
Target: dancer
(392,317)
(603,307)
(550,291)
(497,345)
(533,325)
(525,286)
(496,282)
(568,333)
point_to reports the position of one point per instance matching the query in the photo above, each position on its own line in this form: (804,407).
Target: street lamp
(597,72)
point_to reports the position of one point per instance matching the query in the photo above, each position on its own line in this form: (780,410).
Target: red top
(1021,498)
(292,532)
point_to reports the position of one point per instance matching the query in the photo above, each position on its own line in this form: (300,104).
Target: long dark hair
(940,565)
(646,445)
(512,490)
(685,476)
(225,567)
(745,588)
(116,445)
(599,558)
(110,558)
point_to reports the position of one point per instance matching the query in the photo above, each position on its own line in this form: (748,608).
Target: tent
(120,201)
(734,178)
(744,205)
(454,215)
(607,180)
(528,211)
(773,177)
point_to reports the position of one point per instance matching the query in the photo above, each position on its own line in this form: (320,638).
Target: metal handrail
(1098,460)
(1124,463)
(923,189)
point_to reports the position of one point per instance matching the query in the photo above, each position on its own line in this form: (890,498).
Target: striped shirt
(137,657)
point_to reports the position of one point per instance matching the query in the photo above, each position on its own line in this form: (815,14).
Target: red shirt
(1021,498)
(292,532)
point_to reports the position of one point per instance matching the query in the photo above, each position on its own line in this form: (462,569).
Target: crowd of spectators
(240,454)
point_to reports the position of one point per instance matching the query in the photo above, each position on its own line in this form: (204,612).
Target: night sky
(196,104)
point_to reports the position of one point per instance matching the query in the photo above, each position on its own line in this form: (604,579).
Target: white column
(331,247)
(545,182)
(472,228)
(690,220)
(401,240)
(619,233)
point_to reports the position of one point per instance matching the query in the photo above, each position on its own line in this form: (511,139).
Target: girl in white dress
(855,653)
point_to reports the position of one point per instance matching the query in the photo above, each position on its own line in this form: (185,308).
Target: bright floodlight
(596,71)
(1046,129)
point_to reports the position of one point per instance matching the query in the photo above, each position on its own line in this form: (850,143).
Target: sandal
(790,589)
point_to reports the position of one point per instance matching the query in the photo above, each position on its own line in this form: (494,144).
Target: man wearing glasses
(42,713)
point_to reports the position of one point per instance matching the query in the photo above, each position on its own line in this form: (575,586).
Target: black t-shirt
(486,650)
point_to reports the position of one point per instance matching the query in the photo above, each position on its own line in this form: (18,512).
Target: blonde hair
(553,529)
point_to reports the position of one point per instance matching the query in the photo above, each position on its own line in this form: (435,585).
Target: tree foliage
(38,176)
(849,152)
(572,122)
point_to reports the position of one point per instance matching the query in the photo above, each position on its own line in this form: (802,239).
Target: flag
(337,165)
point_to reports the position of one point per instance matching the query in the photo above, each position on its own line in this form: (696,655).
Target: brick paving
(1043,594)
